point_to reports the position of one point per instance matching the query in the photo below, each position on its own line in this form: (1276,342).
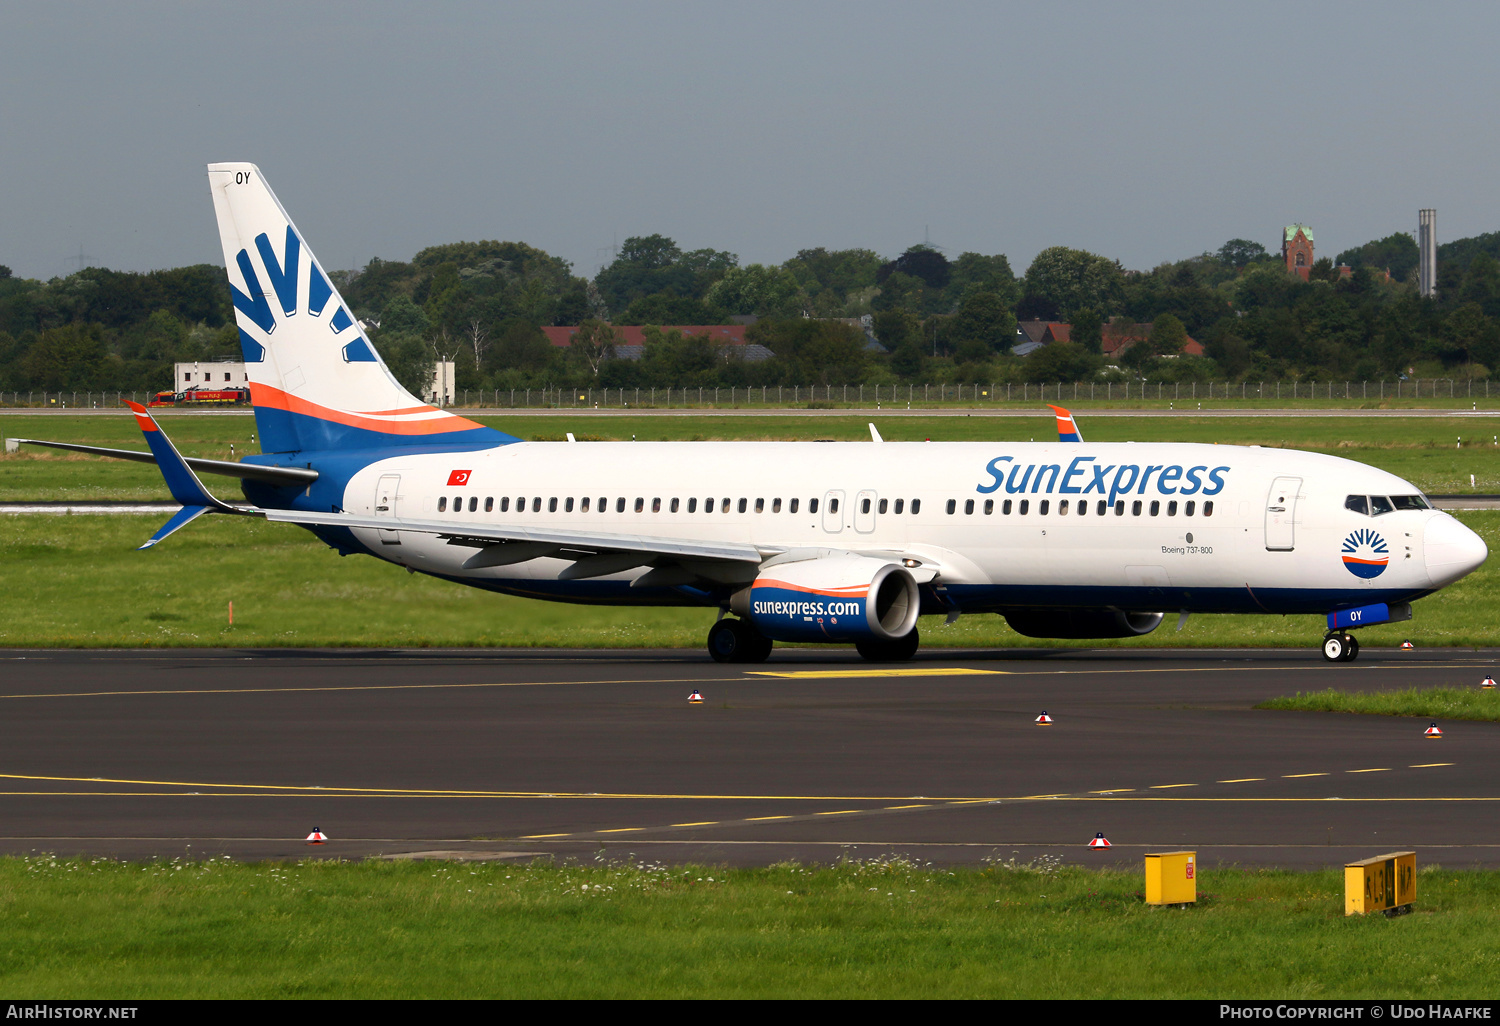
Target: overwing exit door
(1281,514)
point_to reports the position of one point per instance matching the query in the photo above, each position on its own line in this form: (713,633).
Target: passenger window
(1172,508)
(989,507)
(442,503)
(568,504)
(1083,507)
(692,505)
(1155,507)
(776,505)
(916,506)
(489,504)
(812,505)
(952,506)
(792,506)
(1042,509)
(741,506)
(899,504)
(1208,508)
(1025,505)
(724,506)
(968,507)
(505,504)
(760,505)
(1102,506)
(1379,505)
(620,504)
(1187,509)
(1358,504)
(1005,508)
(708,505)
(536,504)
(833,505)
(864,506)
(603,504)
(882,506)
(674,504)
(1120,508)
(656,504)
(473,504)
(552,504)
(583,505)
(1135,508)
(640,504)
(1062,507)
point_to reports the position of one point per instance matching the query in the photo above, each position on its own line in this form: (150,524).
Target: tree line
(937,319)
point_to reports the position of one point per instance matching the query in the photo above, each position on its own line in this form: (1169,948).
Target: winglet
(875,435)
(1067,431)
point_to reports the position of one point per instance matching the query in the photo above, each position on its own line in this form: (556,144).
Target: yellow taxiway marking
(1429,765)
(761,819)
(1114,790)
(1377,769)
(539,837)
(892,808)
(619,830)
(1026,796)
(1242,780)
(1163,787)
(935,671)
(840,812)
(706,822)
(1294,776)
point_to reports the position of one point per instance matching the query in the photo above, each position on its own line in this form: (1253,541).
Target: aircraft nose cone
(1452,550)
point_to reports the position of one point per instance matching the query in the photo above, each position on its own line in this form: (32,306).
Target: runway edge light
(695,698)
(317,837)
(1171,878)
(1386,883)
(1099,841)
(1433,731)
(1044,720)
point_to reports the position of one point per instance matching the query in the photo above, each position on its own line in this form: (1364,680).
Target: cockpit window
(1379,504)
(1358,503)
(1409,502)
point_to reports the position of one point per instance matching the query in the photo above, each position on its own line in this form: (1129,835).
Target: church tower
(1297,249)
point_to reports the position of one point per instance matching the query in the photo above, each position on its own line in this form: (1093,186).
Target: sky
(1145,132)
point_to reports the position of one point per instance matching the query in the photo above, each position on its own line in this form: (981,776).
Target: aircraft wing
(298,476)
(493,541)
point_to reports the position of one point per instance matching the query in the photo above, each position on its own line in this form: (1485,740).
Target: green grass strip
(1428,703)
(884,929)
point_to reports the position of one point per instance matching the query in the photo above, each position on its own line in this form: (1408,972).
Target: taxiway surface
(811,756)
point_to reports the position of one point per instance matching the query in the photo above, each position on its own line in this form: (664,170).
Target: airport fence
(871,396)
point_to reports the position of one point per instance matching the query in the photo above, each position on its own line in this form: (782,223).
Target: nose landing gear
(1340,647)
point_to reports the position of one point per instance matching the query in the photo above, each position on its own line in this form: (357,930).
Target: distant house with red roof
(1117,336)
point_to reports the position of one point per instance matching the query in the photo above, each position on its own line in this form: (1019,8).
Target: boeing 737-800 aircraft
(801,542)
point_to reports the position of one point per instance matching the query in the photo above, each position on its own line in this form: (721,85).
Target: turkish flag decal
(458,477)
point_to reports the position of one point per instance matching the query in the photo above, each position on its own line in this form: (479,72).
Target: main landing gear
(1340,647)
(736,641)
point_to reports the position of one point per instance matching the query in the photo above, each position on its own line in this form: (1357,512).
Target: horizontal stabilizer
(181,481)
(299,476)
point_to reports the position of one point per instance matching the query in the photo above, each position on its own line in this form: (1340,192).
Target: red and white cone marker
(1407,646)
(1044,720)
(317,837)
(1099,841)
(695,699)
(1433,731)
(1488,683)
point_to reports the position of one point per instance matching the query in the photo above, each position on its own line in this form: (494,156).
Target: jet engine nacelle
(831,598)
(1082,623)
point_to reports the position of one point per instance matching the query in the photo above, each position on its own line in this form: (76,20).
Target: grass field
(72,928)
(1425,451)
(1436,703)
(77,581)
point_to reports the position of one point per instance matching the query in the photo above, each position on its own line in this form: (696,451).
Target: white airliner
(801,542)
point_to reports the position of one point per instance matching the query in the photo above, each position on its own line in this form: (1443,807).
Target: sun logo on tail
(1365,554)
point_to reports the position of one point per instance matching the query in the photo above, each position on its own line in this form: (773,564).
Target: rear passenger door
(864,511)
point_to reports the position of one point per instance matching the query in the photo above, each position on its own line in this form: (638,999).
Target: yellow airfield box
(1172,878)
(1386,883)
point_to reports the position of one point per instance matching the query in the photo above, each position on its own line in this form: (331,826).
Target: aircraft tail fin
(1067,430)
(316,381)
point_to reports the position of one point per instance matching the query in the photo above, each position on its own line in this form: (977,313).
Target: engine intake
(1082,623)
(831,598)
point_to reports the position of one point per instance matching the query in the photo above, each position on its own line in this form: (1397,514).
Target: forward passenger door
(1281,514)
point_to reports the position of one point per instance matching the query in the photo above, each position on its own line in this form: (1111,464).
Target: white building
(214,374)
(440,386)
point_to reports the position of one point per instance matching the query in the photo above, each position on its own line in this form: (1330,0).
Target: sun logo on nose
(1365,554)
